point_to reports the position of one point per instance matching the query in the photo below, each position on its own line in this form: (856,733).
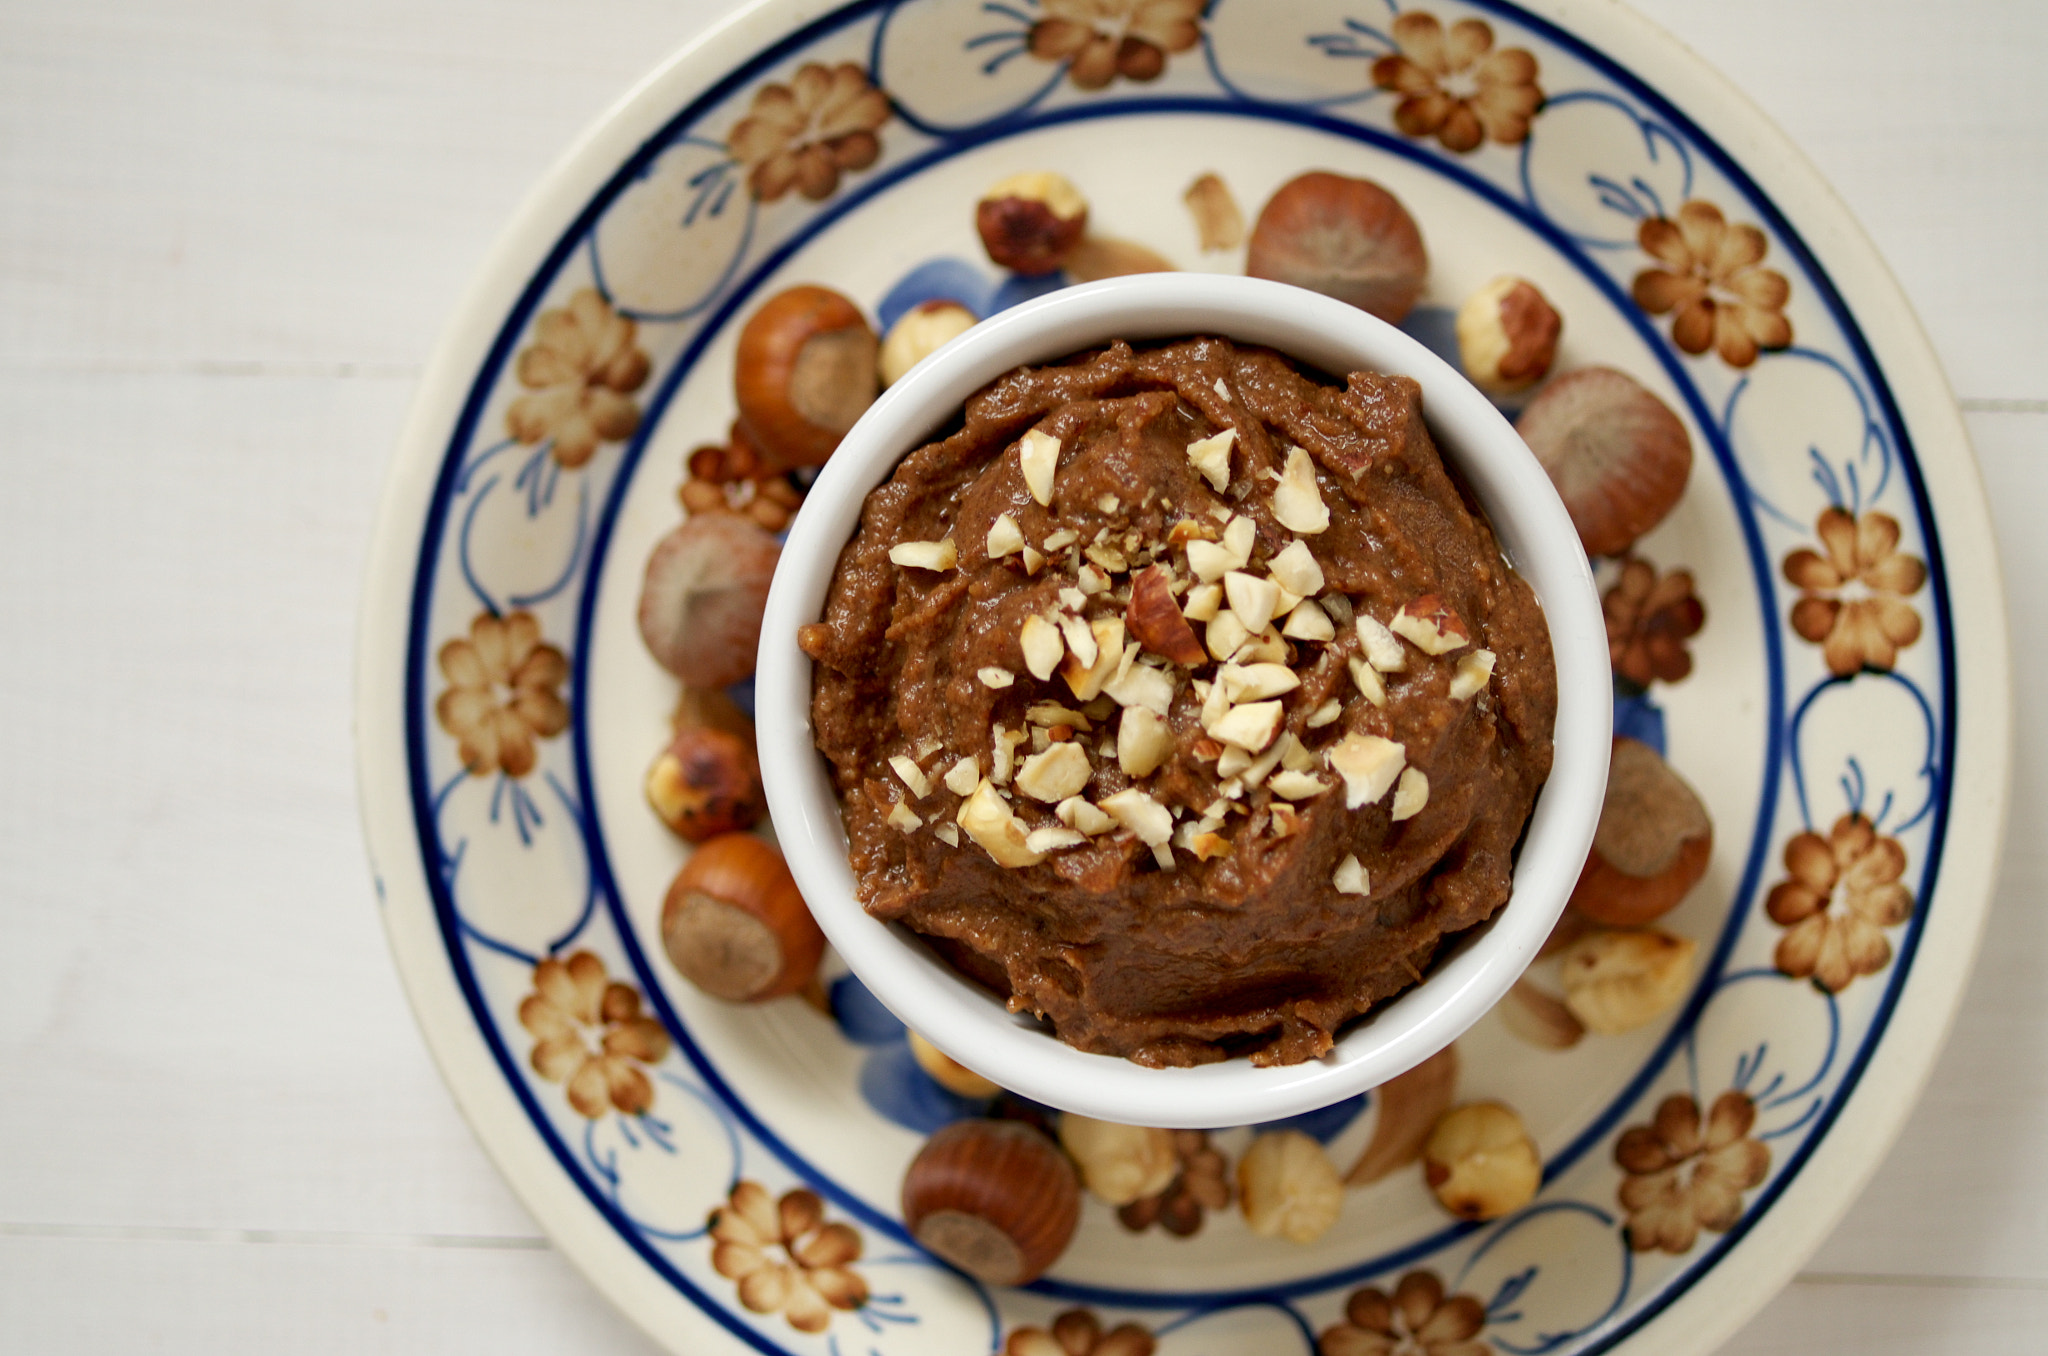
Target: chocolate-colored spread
(1193,743)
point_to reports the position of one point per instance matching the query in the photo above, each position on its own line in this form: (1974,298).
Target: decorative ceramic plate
(1813,639)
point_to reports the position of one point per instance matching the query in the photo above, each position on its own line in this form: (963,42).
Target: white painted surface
(230,232)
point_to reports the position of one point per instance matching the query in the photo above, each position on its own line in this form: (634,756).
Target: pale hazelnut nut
(1480,1162)
(1155,620)
(948,1072)
(1346,238)
(701,600)
(1539,1018)
(917,334)
(1507,336)
(1618,981)
(706,782)
(1288,1187)
(1030,222)
(1119,1163)
(734,925)
(1617,454)
(1651,845)
(805,370)
(996,1199)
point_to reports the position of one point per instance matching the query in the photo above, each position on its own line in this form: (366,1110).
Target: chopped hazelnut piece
(1076,813)
(1225,634)
(1006,754)
(1033,561)
(1092,580)
(1368,764)
(1295,569)
(1240,535)
(1308,621)
(1351,878)
(949,834)
(1326,714)
(1474,671)
(1080,641)
(912,775)
(1370,684)
(1155,619)
(1086,680)
(1210,560)
(1061,540)
(989,821)
(1143,741)
(925,555)
(1411,793)
(1039,456)
(1206,846)
(1431,624)
(1254,600)
(1211,456)
(1140,687)
(1004,537)
(1142,815)
(1286,823)
(1109,558)
(1108,503)
(1264,648)
(1203,603)
(1042,647)
(901,816)
(1382,649)
(1060,771)
(1072,599)
(1050,839)
(1291,785)
(1296,756)
(1255,682)
(963,777)
(1251,726)
(1218,387)
(995,677)
(1263,766)
(1052,713)
(1297,503)
(1187,530)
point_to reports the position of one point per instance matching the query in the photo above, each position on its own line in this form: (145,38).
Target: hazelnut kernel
(706,782)
(1618,981)
(1480,1162)
(1507,336)
(1031,222)
(1288,1187)
(918,333)
(1119,1163)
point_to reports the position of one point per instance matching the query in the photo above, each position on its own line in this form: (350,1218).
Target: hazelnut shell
(995,1198)
(804,372)
(1346,238)
(1652,843)
(702,597)
(734,925)
(1617,454)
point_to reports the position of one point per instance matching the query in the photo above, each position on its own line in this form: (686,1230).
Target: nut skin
(1618,455)
(1480,1162)
(917,334)
(1155,619)
(734,925)
(1507,336)
(706,782)
(995,1198)
(1651,846)
(1030,222)
(1346,238)
(702,597)
(804,372)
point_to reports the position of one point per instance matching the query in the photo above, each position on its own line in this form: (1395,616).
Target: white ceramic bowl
(963,1019)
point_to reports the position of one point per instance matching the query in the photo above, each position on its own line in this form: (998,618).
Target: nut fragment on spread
(1276,709)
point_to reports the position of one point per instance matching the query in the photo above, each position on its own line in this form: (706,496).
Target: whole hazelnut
(1288,1188)
(995,1198)
(918,333)
(1507,336)
(706,782)
(734,925)
(1029,222)
(1616,453)
(1119,1163)
(1480,1162)
(1618,981)
(1346,238)
(701,600)
(805,371)
(1651,845)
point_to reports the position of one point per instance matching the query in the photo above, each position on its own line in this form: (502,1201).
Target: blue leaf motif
(1598,169)
(951,65)
(916,1307)
(1802,429)
(1269,53)
(1777,1043)
(1865,745)
(675,236)
(668,1169)
(516,864)
(1548,1275)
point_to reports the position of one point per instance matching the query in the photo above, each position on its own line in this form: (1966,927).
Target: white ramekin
(966,1021)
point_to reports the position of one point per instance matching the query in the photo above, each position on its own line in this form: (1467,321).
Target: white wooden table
(230,232)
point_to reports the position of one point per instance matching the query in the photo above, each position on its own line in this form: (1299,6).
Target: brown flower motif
(784,1255)
(1103,39)
(578,372)
(1680,1181)
(589,1034)
(1722,299)
(1418,1321)
(1840,894)
(1649,619)
(501,693)
(1077,1332)
(1852,605)
(1454,86)
(1203,1183)
(803,134)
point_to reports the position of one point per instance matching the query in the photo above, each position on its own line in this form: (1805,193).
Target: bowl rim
(965,1021)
